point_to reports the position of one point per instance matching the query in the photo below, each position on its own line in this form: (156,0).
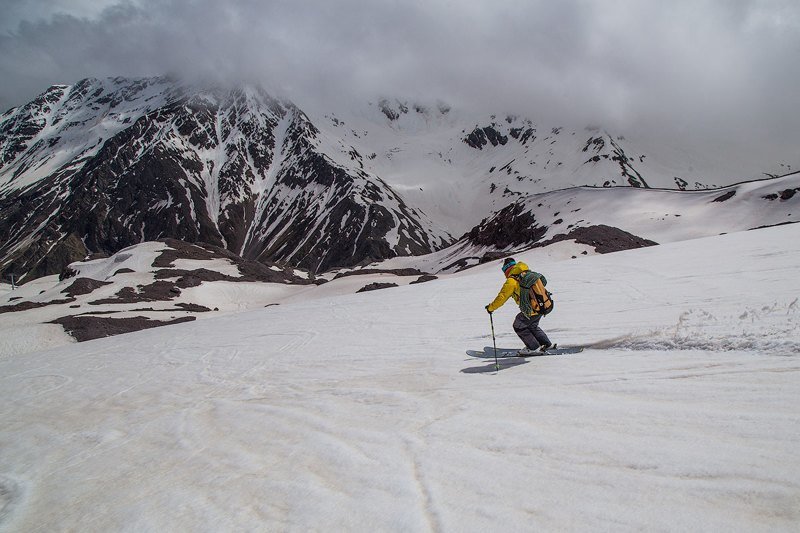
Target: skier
(526,325)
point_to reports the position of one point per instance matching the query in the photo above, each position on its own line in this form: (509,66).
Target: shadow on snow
(507,362)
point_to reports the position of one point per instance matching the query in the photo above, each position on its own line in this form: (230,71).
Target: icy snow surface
(362,413)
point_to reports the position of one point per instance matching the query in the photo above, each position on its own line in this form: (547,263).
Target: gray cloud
(722,69)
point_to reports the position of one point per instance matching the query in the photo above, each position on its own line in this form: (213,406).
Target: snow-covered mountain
(460,166)
(620,219)
(106,164)
(592,220)
(361,412)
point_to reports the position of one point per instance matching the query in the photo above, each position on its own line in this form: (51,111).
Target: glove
(487,309)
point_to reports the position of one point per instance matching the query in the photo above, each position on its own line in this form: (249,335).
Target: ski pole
(494,344)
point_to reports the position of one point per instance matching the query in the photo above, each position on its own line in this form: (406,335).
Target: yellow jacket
(510,288)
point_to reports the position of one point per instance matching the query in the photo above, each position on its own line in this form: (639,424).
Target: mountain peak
(105,164)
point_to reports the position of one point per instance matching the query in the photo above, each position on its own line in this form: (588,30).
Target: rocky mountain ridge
(105,164)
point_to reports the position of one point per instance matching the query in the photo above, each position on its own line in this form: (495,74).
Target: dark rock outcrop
(83,286)
(511,226)
(377,286)
(604,239)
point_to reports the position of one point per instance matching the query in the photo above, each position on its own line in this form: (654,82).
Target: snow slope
(361,412)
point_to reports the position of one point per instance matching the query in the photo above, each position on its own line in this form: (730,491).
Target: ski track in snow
(763,330)
(362,412)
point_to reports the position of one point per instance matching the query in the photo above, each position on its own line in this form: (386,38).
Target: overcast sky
(709,68)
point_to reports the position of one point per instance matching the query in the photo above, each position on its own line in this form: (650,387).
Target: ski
(488,352)
(563,350)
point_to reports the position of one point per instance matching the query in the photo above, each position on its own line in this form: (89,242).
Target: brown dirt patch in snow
(25,306)
(193,308)
(83,286)
(604,239)
(396,272)
(160,291)
(376,286)
(183,250)
(725,197)
(86,328)
(249,270)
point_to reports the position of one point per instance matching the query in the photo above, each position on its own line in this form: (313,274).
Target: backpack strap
(529,300)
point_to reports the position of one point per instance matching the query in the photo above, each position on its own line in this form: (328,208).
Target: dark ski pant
(527,327)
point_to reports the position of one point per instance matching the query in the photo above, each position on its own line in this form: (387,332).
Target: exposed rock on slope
(103,165)
(153,284)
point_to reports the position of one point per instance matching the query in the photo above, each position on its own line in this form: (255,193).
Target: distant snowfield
(362,412)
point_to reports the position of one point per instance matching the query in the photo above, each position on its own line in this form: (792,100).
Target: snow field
(361,412)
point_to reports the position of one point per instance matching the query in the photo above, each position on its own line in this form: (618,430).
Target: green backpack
(534,299)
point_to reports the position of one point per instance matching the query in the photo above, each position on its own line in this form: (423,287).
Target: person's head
(507,264)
